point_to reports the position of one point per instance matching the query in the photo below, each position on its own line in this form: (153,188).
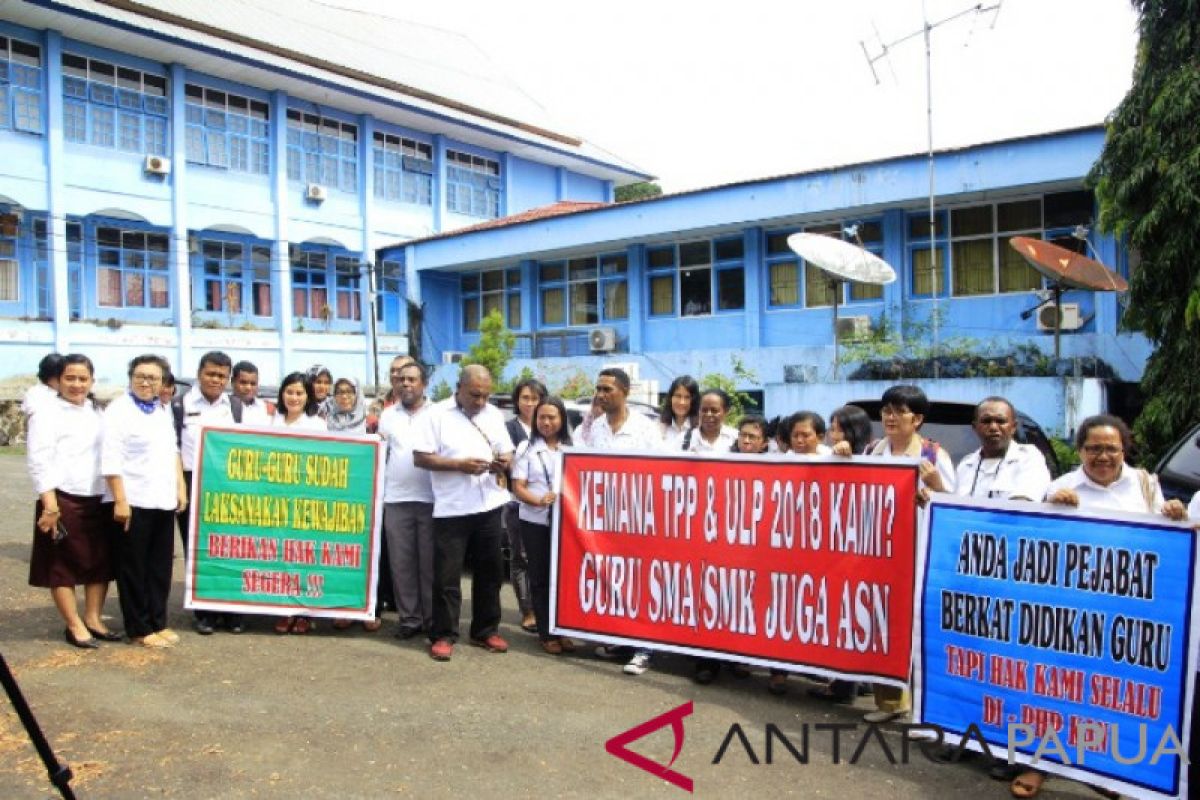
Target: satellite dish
(841,259)
(1066,268)
(844,262)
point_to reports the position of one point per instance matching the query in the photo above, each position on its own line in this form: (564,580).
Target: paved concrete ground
(351,714)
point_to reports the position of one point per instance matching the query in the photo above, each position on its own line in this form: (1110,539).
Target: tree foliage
(637,191)
(495,346)
(1148,182)
(739,375)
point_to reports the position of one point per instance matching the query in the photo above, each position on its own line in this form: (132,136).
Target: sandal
(1027,784)
(301,626)
(284,625)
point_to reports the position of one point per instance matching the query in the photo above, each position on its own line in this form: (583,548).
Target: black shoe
(203,626)
(105,636)
(405,634)
(705,675)
(82,644)
(234,623)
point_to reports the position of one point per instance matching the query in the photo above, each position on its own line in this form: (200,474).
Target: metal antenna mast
(925,32)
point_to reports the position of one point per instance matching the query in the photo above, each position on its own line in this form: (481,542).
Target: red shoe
(493,644)
(441,650)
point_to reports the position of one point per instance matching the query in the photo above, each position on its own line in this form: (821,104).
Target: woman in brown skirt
(73,527)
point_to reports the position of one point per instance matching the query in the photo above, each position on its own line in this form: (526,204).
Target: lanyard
(545,470)
(993,476)
(501,480)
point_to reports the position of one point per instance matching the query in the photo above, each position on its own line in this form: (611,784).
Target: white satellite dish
(844,262)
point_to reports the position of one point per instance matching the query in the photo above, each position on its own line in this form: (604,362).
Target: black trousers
(536,539)
(144,556)
(473,539)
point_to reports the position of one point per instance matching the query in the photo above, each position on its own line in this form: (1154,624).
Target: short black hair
(215,357)
(1105,421)
(855,425)
(538,387)
(149,358)
(168,378)
(412,363)
(995,398)
(78,358)
(811,417)
(911,397)
(617,374)
(244,366)
(726,400)
(50,367)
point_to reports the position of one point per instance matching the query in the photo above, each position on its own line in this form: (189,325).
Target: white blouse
(63,448)
(140,448)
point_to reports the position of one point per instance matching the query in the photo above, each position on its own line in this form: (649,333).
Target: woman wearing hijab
(348,413)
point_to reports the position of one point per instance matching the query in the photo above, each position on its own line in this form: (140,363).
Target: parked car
(949,424)
(1179,470)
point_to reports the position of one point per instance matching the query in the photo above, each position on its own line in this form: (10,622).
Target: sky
(700,93)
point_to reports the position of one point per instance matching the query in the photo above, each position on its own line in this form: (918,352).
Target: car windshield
(1184,464)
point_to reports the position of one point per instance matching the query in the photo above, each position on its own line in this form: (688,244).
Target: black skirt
(85,555)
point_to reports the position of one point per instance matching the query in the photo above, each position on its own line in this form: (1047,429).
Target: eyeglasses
(888,411)
(345,392)
(139,377)
(1102,450)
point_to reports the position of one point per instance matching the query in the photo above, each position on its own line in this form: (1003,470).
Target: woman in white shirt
(712,435)
(297,406)
(139,458)
(72,537)
(680,411)
(533,485)
(805,431)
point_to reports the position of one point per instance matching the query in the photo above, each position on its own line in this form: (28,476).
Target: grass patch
(13,450)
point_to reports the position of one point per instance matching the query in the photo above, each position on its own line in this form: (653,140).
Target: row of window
(703,277)
(107,105)
(130,269)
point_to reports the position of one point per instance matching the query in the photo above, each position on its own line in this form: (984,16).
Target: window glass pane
(513,278)
(923,278)
(866,291)
(818,288)
(731,289)
(581,269)
(785,283)
(695,291)
(661,257)
(870,232)
(493,280)
(471,314)
(616,300)
(973,267)
(728,249)
(777,243)
(918,225)
(974,221)
(1015,273)
(514,310)
(553,308)
(1023,216)
(584,310)
(662,294)
(470,283)
(1068,209)
(614,264)
(551,272)
(693,254)
(493,302)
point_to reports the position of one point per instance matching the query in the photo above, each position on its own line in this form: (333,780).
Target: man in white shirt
(618,428)
(467,448)
(204,404)
(45,391)
(408,504)
(1001,467)
(255,410)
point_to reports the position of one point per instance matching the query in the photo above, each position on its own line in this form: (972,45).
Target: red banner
(796,564)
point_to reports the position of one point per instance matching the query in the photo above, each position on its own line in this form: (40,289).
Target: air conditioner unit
(452,356)
(1067,315)
(602,340)
(157,165)
(316,192)
(853,328)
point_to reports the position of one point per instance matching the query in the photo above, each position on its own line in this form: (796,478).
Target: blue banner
(1061,637)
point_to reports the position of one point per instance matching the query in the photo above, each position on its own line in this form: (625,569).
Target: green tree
(638,191)
(1146,180)
(494,348)
(740,375)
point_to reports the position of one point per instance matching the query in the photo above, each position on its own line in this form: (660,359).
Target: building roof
(405,69)
(529,215)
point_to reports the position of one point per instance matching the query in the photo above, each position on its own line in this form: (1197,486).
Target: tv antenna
(885,48)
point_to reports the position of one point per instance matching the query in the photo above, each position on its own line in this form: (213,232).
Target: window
(783,272)
(20,86)
(9,267)
(132,268)
(583,291)
(472,185)
(705,274)
(786,270)
(488,291)
(347,277)
(391,302)
(228,130)
(45,281)
(403,169)
(116,107)
(928,274)
(236,278)
(660,266)
(310,292)
(322,151)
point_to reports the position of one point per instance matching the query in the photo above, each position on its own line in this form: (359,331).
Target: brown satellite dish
(1066,268)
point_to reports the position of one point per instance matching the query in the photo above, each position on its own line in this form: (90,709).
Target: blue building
(183,175)
(691,282)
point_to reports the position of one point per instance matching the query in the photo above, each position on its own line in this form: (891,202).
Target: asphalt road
(352,714)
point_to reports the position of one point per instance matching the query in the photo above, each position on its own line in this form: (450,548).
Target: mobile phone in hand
(60,532)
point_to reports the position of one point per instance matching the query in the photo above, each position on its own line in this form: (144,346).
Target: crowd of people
(462,486)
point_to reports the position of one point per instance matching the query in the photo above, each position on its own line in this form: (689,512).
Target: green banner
(285,523)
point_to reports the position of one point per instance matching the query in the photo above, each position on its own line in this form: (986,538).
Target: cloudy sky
(700,92)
